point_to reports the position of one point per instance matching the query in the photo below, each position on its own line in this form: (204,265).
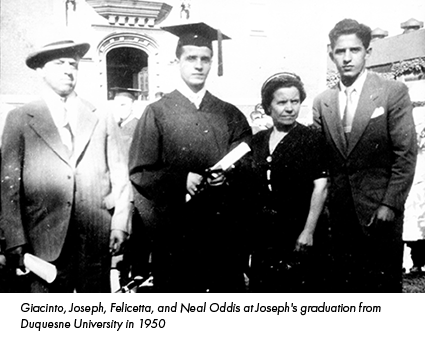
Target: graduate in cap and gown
(179,137)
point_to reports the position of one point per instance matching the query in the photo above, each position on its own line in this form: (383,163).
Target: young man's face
(349,56)
(60,75)
(195,64)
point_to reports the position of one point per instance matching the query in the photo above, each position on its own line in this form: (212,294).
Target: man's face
(195,64)
(349,56)
(123,107)
(60,75)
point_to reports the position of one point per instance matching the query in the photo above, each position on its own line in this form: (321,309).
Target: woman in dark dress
(288,187)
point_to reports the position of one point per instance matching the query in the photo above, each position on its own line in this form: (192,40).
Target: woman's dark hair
(351,26)
(277,81)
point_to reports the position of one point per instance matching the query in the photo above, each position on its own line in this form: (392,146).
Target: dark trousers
(83,265)
(198,271)
(364,259)
(137,252)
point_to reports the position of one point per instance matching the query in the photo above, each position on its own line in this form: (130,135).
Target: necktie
(347,120)
(67,136)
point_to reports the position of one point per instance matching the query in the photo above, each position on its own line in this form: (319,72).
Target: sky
(386,14)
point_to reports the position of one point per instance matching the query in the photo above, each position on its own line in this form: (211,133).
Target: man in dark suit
(368,125)
(66,195)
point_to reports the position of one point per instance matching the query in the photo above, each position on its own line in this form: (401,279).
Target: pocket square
(377,112)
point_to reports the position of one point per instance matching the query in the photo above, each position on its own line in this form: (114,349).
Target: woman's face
(285,107)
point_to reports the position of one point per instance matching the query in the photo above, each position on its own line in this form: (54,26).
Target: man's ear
(368,52)
(331,56)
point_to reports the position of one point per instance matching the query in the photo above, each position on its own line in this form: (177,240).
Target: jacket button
(68,204)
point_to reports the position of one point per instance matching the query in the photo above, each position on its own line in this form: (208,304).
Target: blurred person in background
(414,218)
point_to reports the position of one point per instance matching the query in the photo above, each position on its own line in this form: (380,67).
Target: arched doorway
(127,67)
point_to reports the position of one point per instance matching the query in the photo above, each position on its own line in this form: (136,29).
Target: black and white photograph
(212,158)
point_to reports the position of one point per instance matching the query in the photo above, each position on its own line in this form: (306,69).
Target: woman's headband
(280,76)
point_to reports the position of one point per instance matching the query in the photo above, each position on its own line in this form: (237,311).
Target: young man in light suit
(371,143)
(66,195)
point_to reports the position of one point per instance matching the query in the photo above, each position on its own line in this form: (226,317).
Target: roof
(397,48)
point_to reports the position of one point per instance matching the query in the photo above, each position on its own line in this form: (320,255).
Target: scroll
(40,267)
(224,164)
(232,157)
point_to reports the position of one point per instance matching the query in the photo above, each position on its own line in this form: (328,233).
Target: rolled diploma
(40,267)
(228,160)
(232,157)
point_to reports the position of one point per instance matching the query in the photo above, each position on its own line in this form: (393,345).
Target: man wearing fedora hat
(66,196)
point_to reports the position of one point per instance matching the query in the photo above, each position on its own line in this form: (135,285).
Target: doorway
(127,67)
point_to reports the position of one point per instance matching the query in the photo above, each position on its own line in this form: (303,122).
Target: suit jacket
(43,188)
(378,164)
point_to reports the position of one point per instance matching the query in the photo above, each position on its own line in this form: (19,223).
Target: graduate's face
(285,107)
(195,64)
(60,75)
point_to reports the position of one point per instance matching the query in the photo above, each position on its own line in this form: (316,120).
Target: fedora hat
(65,48)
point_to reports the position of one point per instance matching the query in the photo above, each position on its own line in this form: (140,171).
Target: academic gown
(195,243)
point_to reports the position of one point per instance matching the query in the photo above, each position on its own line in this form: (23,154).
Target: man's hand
(382,215)
(116,241)
(305,240)
(15,257)
(192,183)
(2,261)
(216,178)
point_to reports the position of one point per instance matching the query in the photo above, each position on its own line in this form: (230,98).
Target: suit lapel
(333,120)
(84,128)
(42,123)
(365,108)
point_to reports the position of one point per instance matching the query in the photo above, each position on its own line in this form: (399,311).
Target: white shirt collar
(358,84)
(55,104)
(194,97)
(355,95)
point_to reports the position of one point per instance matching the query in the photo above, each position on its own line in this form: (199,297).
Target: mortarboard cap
(199,34)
